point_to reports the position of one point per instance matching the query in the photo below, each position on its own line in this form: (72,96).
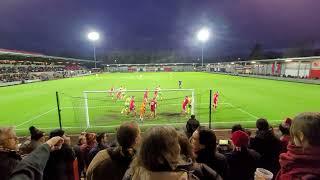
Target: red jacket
(298,163)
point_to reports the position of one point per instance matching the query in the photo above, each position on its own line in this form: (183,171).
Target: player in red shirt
(132,106)
(185,104)
(153,107)
(215,100)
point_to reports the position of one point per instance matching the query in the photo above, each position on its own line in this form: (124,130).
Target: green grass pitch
(242,100)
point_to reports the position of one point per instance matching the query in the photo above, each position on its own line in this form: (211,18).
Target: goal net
(110,108)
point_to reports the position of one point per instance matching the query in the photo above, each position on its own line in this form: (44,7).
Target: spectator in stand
(78,149)
(202,171)
(60,163)
(31,167)
(237,127)
(91,143)
(9,157)
(284,128)
(204,143)
(112,163)
(192,125)
(267,145)
(242,161)
(37,138)
(302,160)
(158,157)
(102,143)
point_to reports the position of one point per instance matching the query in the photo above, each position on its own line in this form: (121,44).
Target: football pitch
(242,100)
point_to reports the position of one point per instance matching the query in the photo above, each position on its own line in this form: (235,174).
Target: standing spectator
(242,161)
(37,138)
(9,158)
(158,157)
(192,125)
(91,143)
(31,167)
(204,143)
(267,145)
(284,128)
(302,160)
(78,149)
(102,143)
(60,163)
(112,163)
(202,171)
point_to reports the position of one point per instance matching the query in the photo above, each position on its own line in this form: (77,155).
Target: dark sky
(58,26)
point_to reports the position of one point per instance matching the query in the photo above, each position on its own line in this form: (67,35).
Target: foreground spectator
(284,128)
(158,157)
(205,149)
(302,160)
(91,143)
(60,163)
(202,171)
(112,163)
(37,139)
(32,166)
(78,149)
(267,145)
(9,158)
(102,143)
(242,161)
(192,125)
(237,127)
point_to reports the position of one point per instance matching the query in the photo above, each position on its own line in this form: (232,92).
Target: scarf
(299,163)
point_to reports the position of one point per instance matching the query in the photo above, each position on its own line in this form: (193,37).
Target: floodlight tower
(203,36)
(93,37)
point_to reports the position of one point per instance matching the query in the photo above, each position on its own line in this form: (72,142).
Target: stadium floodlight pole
(94,36)
(203,36)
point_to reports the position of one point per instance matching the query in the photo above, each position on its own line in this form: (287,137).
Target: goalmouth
(104,107)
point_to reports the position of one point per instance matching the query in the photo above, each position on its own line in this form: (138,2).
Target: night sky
(58,26)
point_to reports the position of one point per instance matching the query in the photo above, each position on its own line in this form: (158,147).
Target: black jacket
(214,160)
(269,147)
(200,170)
(60,164)
(243,164)
(191,126)
(8,161)
(32,166)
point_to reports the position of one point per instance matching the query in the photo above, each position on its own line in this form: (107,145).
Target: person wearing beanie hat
(60,163)
(242,160)
(284,128)
(37,138)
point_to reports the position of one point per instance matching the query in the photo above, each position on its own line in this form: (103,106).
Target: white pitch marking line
(242,110)
(35,117)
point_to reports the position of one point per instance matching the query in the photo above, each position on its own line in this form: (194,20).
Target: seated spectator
(102,143)
(242,161)
(202,171)
(302,160)
(284,128)
(31,167)
(267,145)
(112,163)
(158,157)
(60,163)
(37,138)
(236,127)
(9,157)
(78,149)
(204,143)
(192,125)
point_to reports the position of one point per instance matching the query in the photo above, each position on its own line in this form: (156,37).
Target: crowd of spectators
(163,152)
(16,72)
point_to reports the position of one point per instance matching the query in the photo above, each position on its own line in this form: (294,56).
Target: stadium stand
(176,159)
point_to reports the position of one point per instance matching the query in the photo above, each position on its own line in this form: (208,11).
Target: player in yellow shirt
(142,110)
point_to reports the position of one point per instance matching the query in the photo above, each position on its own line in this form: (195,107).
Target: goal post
(101,105)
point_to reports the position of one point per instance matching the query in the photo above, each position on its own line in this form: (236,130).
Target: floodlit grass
(242,100)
